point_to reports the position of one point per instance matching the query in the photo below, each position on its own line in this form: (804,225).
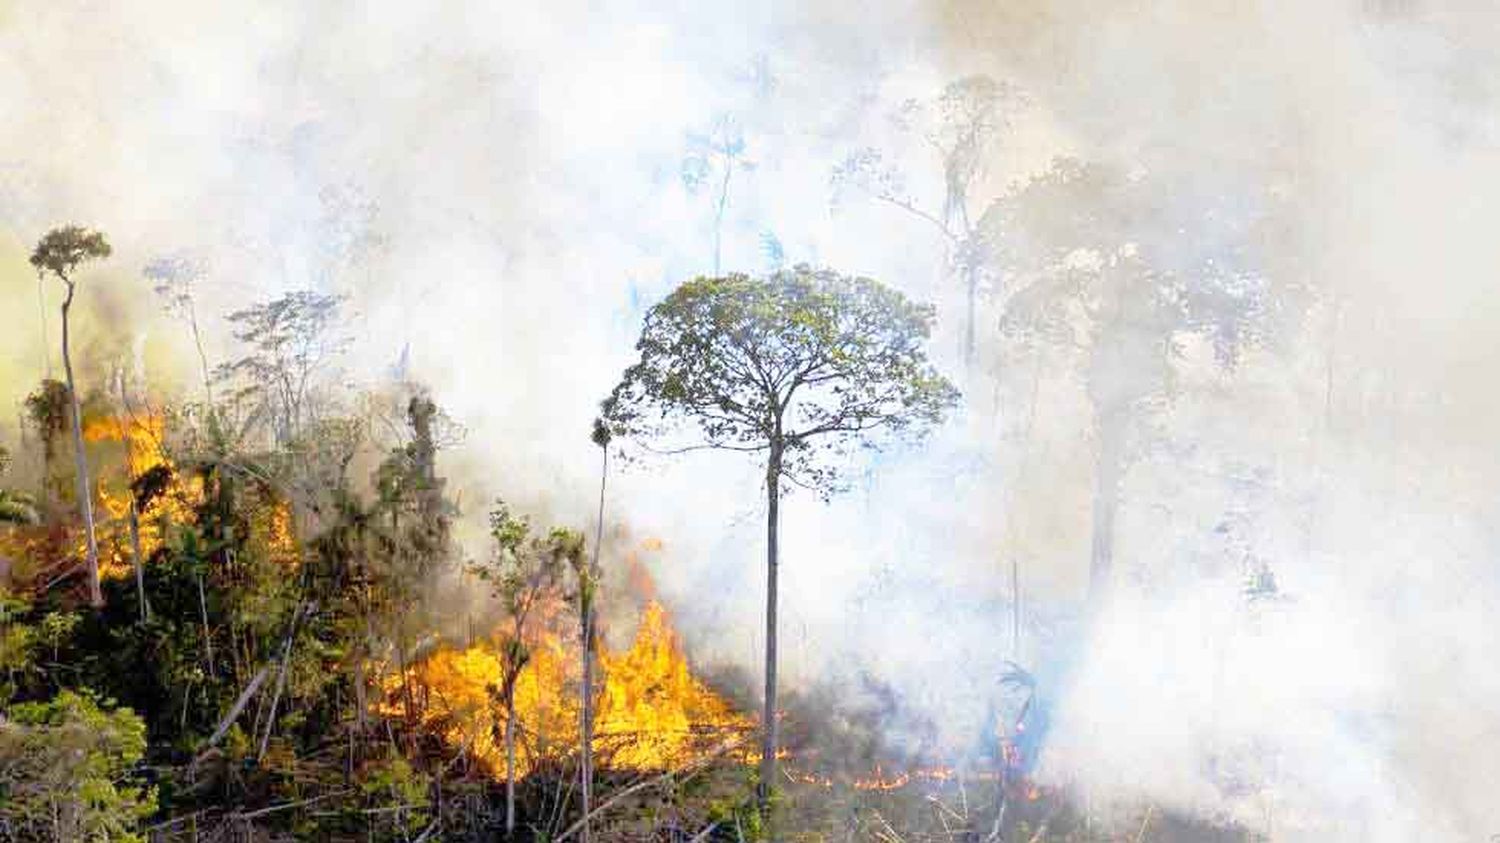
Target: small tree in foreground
(524,571)
(800,366)
(67,769)
(59,252)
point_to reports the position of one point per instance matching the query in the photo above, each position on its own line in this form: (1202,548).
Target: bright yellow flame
(273,530)
(652,712)
(143,438)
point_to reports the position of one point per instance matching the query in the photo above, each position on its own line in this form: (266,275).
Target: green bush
(67,770)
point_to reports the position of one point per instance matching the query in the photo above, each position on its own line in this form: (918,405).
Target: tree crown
(62,249)
(803,361)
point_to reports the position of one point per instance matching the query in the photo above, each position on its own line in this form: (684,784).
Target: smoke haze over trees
(1216,285)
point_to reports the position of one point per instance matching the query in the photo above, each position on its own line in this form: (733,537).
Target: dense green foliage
(65,771)
(807,362)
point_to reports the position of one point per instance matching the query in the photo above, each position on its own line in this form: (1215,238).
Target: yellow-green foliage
(65,771)
(16,643)
(395,786)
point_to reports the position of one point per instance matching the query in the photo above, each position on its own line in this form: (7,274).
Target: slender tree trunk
(1111,461)
(407,697)
(208,388)
(80,463)
(769,726)
(135,559)
(41,305)
(510,763)
(586,711)
(971,290)
(586,714)
(286,657)
(719,210)
(1015,609)
(208,639)
(360,691)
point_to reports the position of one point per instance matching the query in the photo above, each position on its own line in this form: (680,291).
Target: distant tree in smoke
(289,341)
(1104,277)
(176,279)
(712,159)
(960,126)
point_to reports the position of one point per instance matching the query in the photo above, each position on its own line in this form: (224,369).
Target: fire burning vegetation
(284,626)
(240,616)
(653,714)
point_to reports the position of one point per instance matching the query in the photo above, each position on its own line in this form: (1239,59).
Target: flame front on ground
(653,713)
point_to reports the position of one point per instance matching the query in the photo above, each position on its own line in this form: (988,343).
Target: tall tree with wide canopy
(59,253)
(800,366)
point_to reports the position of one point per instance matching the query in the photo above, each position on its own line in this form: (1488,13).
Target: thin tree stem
(80,461)
(510,762)
(768,721)
(586,714)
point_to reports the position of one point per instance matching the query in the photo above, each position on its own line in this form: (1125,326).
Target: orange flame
(653,713)
(135,445)
(143,439)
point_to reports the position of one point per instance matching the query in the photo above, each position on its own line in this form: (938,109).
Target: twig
(182,819)
(386,810)
(239,705)
(271,809)
(642,785)
(939,803)
(893,835)
(703,835)
(67,572)
(1041,830)
(286,653)
(1145,821)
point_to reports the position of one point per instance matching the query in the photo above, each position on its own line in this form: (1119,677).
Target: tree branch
(917,212)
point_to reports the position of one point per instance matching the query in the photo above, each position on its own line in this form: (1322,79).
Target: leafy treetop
(801,363)
(63,249)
